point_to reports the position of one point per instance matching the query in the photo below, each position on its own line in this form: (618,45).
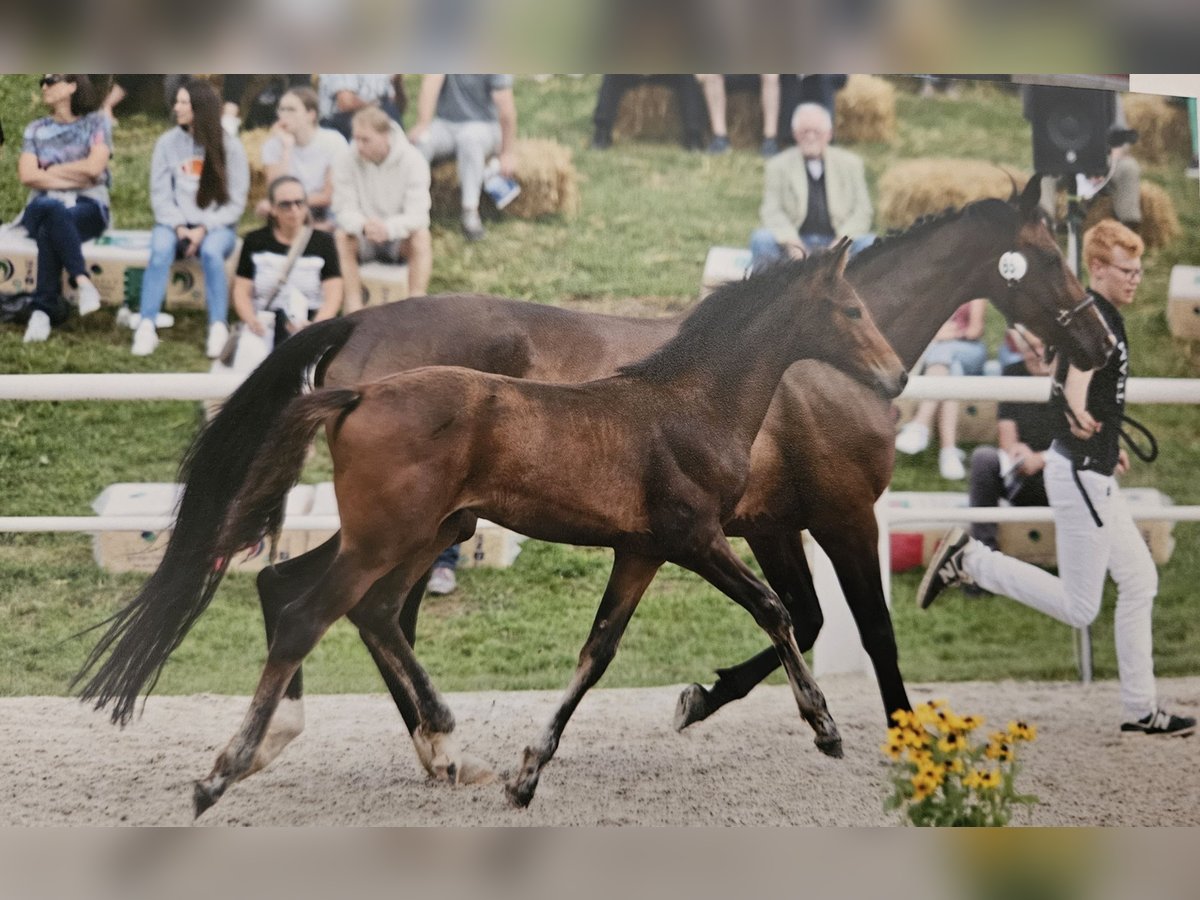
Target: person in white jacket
(381,204)
(199,180)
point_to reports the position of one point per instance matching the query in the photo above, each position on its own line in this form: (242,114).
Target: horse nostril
(903,380)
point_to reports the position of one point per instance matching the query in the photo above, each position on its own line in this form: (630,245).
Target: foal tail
(213,522)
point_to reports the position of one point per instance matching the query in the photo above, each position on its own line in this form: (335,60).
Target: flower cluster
(942,775)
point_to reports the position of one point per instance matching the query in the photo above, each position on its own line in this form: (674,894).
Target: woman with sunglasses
(297,284)
(199,179)
(298,146)
(64,163)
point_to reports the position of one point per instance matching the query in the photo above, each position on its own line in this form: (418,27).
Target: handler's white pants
(1085,554)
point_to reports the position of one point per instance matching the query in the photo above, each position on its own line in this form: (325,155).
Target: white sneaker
(38,328)
(913,438)
(145,340)
(442,581)
(950,463)
(88,298)
(218,336)
(133,320)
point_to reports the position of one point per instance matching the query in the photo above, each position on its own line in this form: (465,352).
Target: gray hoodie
(175,179)
(395,190)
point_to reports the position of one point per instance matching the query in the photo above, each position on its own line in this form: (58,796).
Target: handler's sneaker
(218,336)
(1161,722)
(950,464)
(913,438)
(38,328)
(945,567)
(442,581)
(145,339)
(88,298)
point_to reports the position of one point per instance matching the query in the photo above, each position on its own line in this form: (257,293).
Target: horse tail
(214,473)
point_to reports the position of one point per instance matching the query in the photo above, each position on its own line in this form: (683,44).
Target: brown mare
(911,282)
(650,462)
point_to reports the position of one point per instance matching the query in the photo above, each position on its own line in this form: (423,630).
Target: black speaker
(1070,129)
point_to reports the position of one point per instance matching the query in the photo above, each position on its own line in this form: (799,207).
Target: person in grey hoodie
(199,179)
(381,204)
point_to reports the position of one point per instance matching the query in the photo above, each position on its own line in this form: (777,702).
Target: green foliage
(650,213)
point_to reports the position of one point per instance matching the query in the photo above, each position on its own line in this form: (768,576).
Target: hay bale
(865,110)
(1160,222)
(545,171)
(253,142)
(649,112)
(1162,126)
(923,187)
(743,118)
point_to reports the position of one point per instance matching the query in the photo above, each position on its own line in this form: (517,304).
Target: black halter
(1067,316)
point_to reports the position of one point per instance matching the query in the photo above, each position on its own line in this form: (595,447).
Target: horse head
(1042,293)
(850,339)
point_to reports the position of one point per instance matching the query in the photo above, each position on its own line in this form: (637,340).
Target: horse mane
(733,308)
(989,207)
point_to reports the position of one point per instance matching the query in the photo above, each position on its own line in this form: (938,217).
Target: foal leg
(786,569)
(722,568)
(630,577)
(300,625)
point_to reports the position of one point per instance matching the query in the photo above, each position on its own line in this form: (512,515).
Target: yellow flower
(893,749)
(927,715)
(989,780)
(1001,751)
(932,772)
(904,719)
(970,723)
(923,786)
(920,757)
(1021,731)
(919,738)
(951,743)
(957,766)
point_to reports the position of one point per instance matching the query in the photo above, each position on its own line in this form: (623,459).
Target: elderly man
(814,194)
(381,204)
(1095,534)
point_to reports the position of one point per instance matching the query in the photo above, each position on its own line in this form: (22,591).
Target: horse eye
(853,312)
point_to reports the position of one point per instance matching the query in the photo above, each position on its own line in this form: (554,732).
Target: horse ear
(840,255)
(1030,198)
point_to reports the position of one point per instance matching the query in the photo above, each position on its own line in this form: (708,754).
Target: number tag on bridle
(1013,267)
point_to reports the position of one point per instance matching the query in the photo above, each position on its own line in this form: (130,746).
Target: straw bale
(253,142)
(865,110)
(1160,222)
(545,171)
(649,112)
(1163,133)
(922,187)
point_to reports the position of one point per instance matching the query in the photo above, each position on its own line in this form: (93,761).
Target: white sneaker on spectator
(950,463)
(133,320)
(218,336)
(913,438)
(442,581)
(88,298)
(38,328)
(145,340)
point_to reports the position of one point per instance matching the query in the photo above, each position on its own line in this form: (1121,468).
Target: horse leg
(722,568)
(298,628)
(786,569)
(853,548)
(630,577)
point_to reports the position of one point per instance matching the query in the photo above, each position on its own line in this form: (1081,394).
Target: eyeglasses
(51,80)
(286,109)
(1134,274)
(291,204)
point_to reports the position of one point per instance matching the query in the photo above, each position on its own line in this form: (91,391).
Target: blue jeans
(60,233)
(214,250)
(447,558)
(959,356)
(765,250)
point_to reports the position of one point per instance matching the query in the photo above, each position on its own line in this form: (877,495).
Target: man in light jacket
(381,204)
(814,194)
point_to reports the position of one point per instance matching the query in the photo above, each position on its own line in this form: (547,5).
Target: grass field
(649,214)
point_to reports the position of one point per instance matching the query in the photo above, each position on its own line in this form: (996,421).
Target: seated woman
(956,350)
(64,163)
(299,147)
(199,179)
(273,271)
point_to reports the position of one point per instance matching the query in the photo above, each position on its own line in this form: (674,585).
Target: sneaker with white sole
(38,328)
(218,336)
(88,298)
(133,320)
(913,438)
(1161,723)
(950,464)
(945,567)
(145,340)
(442,581)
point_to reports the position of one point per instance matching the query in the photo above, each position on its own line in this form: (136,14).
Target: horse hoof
(830,746)
(520,791)
(204,797)
(472,770)
(692,706)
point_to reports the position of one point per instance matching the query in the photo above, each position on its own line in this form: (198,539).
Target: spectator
(1013,471)
(381,204)
(301,148)
(341,96)
(64,163)
(797,89)
(1094,531)
(258,109)
(199,179)
(266,281)
(813,194)
(613,88)
(124,85)
(714,96)
(957,349)
(469,117)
